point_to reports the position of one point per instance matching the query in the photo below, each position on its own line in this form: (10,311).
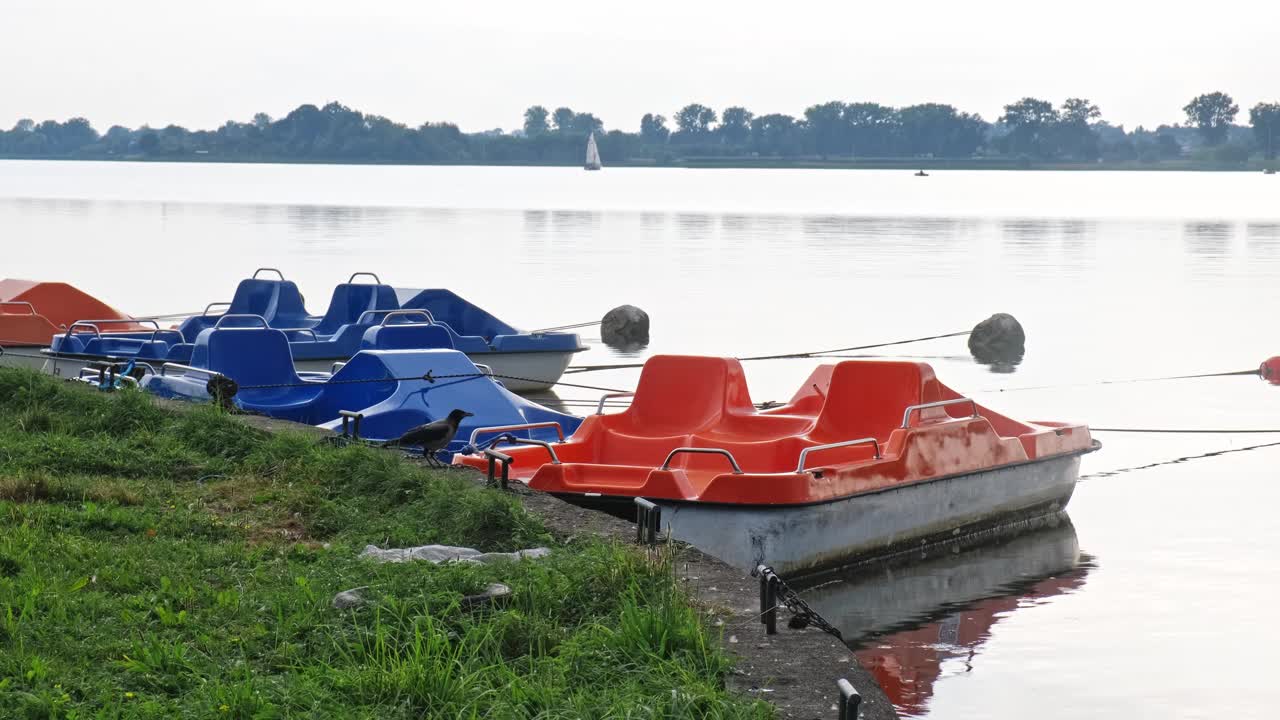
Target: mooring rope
(1176,461)
(1126,381)
(558,328)
(1185,431)
(784,356)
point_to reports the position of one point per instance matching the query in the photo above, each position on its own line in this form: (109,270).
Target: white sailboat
(593,155)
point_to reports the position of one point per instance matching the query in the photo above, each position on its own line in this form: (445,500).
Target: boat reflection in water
(911,625)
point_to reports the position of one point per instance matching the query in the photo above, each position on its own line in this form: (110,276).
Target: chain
(802,615)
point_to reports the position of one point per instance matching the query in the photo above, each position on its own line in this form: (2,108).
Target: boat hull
(22,357)
(33,358)
(520,372)
(801,539)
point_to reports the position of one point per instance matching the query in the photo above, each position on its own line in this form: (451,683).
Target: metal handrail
(255,273)
(484,369)
(157,331)
(164,370)
(397,313)
(804,454)
(737,469)
(30,307)
(610,396)
(336,367)
(509,428)
(213,305)
(555,459)
(354,275)
(77,324)
(906,416)
(224,318)
(314,337)
(107,321)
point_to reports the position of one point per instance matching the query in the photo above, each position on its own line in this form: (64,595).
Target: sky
(480,64)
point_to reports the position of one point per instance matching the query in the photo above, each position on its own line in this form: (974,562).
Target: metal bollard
(768,599)
(505,459)
(849,700)
(354,418)
(648,522)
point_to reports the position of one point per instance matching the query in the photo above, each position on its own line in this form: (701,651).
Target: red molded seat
(868,399)
(682,395)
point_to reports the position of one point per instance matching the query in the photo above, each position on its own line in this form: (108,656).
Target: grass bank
(158,565)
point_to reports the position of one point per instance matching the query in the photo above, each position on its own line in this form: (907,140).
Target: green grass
(156,564)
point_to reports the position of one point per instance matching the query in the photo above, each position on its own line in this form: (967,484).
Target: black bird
(434,436)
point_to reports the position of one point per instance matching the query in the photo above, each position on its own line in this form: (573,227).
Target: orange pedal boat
(868,458)
(32,312)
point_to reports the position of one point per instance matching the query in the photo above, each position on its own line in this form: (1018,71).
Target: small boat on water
(525,361)
(868,458)
(593,154)
(31,312)
(386,387)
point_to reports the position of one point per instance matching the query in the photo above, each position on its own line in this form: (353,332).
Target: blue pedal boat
(387,389)
(524,361)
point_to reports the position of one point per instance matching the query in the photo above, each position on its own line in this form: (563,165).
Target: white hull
(799,539)
(520,372)
(31,359)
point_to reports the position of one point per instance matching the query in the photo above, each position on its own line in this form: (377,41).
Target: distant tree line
(1030,129)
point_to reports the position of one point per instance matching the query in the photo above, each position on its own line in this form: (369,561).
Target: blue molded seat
(412,336)
(351,301)
(250,356)
(277,301)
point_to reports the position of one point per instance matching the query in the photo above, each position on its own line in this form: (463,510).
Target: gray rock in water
(999,339)
(625,326)
(348,599)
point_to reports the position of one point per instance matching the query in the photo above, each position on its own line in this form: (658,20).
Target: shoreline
(711,163)
(795,671)
(233,532)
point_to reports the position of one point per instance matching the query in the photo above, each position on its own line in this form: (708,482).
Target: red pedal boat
(868,458)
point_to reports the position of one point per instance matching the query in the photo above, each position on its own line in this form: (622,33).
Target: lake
(1153,602)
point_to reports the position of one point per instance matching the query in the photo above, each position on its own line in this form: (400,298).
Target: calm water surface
(1155,602)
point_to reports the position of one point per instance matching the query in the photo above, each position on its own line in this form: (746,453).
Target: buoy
(625,327)
(998,340)
(1270,370)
